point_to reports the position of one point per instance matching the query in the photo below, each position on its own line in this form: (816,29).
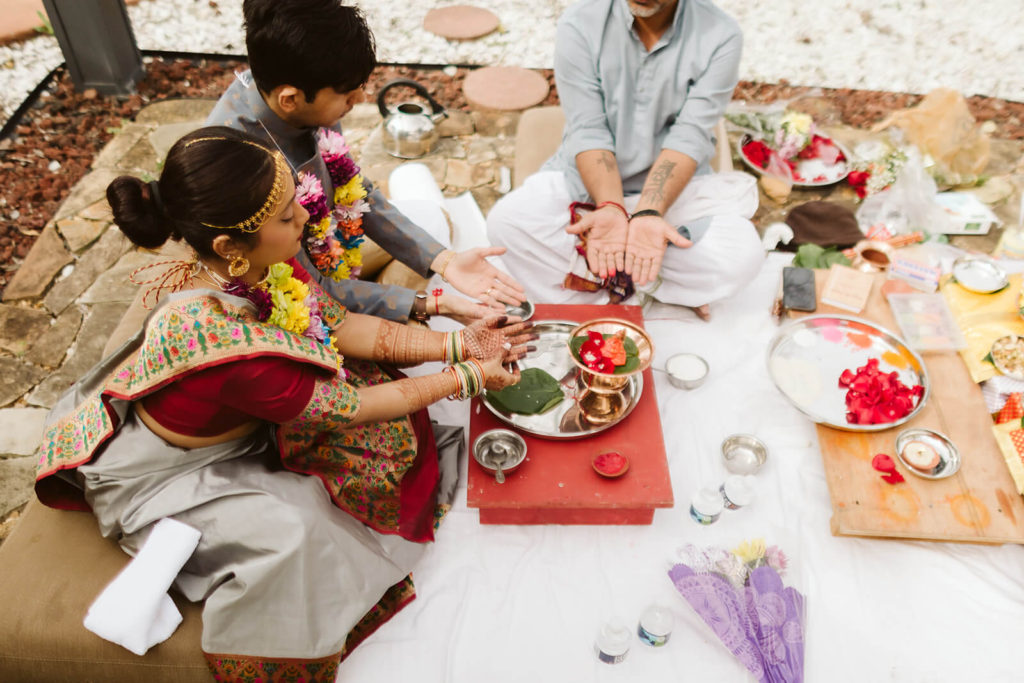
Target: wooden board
(979,504)
(557,484)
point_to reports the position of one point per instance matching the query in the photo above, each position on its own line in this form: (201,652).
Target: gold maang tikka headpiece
(253,222)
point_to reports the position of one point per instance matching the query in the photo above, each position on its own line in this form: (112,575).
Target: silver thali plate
(564,421)
(806,358)
(980,274)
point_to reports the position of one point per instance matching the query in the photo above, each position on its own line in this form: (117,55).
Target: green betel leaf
(536,392)
(988,359)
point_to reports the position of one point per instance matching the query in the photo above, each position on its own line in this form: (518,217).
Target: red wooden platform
(557,484)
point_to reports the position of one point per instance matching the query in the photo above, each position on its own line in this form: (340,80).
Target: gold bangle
(447,262)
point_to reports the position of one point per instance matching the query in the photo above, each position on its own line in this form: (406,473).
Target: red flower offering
(876,397)
(604,354)
(758,153)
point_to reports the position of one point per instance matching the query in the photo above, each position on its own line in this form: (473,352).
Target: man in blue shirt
(642,84)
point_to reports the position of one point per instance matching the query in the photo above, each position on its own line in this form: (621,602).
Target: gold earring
(238,267)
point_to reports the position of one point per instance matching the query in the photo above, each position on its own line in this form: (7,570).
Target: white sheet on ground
(524,603)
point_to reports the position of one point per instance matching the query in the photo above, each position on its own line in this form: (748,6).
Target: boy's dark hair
(308,44)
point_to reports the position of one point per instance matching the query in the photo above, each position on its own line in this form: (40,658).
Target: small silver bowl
(948,455)
(744,453)
(499,447)
(524,310)
(688,381)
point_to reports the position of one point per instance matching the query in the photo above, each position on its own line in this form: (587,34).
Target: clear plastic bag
(908,205)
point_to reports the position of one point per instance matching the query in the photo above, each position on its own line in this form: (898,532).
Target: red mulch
(71,128)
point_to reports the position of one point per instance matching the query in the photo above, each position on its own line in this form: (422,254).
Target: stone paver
(48,349)
(505,88)
(113,285)
(20,430)
(90,266)
(16,378)
(20,326)
(17,477)
(111,154)
(79,232)
(89,190)
(86,352)
(42,264)
(165,136)
(461,22)
(176,111)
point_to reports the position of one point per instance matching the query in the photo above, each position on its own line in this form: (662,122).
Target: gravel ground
(895,45)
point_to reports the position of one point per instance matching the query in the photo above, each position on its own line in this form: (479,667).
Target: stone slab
(87,350)
(500,124)
(164,137)
(92,263)
(119,145)
(100,211)
(140,159)
(114,285)
(17,481)
(176,111)
(20,430)
(505,88)
(86,192)
(20,326)
(456,124)
(16,378)
(49,348)
(364,115)
(79,232)
(46,258)
(461,22)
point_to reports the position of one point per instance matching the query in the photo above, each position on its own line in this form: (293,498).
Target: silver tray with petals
(806,358)
(565,420)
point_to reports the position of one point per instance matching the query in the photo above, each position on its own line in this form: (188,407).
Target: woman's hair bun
(136,212)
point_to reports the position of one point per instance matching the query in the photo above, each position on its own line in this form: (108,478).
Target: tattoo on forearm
(607,159)
(420,392)
(400,344)
(654,188)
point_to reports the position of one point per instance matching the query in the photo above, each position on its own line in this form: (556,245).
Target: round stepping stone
(505,88)
(461,22)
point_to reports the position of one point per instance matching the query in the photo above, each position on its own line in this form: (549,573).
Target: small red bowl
(610,464)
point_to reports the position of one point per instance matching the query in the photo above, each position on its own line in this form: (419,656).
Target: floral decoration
(334,245)
(603,353)
(789,138)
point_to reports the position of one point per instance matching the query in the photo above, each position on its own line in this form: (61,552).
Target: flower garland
(335,252)
(285,301)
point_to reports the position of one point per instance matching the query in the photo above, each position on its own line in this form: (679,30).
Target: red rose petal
(883,463)
(893,478)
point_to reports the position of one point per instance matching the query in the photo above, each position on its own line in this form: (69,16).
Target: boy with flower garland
(309,61)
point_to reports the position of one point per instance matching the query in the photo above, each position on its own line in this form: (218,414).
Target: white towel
(134,610)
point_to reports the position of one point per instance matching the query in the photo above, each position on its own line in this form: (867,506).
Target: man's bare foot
(703,312)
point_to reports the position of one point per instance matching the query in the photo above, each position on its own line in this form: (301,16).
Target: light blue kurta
(618,96)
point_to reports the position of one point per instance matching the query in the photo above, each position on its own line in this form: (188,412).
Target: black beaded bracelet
(645,212)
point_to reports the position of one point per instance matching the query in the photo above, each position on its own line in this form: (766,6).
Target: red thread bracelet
(437,301)
(618,206)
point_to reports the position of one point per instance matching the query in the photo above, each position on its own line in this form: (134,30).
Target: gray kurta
(242,107)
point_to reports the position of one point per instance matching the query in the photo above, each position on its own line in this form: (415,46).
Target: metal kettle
(409,127)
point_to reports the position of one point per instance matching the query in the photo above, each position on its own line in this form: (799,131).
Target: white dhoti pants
(530,222)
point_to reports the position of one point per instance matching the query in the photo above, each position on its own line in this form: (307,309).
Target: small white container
(737,490)
(655,625)
(612,644)
(686,370)
(706,506)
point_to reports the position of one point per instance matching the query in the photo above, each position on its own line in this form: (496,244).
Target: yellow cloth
(983,318)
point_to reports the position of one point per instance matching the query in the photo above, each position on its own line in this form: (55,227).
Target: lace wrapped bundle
(741,596)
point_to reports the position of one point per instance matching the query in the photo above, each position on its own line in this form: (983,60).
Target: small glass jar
(612,644)
(655,625)
(706,506)
(737,490)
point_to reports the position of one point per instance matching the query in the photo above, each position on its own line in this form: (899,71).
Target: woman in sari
(252,408)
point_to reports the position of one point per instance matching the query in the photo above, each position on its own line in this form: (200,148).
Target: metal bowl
(744,453)
(603,382)
(499,446)
(682,382)
(980,274)
(524,310)
(949,455)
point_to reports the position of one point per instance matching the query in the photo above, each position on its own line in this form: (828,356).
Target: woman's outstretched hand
(497,376)
(503,337)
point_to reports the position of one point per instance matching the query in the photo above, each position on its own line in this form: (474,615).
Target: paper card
(968,215)
(847,288)
(916,273)
(926,322)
